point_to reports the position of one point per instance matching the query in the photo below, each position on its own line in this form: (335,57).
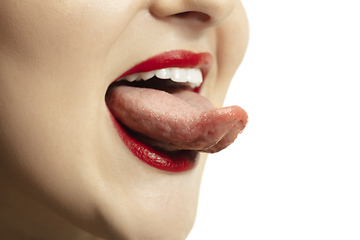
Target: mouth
(159,114)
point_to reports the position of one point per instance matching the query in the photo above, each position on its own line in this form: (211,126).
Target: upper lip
(174,58)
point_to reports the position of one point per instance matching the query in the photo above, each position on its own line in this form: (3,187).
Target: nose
(206,13)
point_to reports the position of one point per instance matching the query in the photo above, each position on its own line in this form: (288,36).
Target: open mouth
(161,117)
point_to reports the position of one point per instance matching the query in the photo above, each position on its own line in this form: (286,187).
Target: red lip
(176,161)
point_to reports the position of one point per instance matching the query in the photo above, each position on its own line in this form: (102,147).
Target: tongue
(181,120)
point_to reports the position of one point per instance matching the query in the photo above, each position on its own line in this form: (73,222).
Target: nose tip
(206,13)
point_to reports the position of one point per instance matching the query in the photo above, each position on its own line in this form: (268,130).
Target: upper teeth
(191,76)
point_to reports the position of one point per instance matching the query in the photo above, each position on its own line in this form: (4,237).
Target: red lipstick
(173,161)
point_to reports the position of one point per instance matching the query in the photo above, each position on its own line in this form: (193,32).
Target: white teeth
(147,75)
(190,76)
(164,73)
(178,74)
(194,76)
(133,77)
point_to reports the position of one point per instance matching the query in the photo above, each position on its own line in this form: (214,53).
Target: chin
(162,226)
(162,207)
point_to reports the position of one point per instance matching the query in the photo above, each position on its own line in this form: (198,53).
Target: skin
(64,172)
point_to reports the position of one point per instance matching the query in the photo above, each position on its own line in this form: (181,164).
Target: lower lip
(176,161)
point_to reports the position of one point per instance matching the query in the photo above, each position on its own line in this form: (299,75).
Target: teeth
(178,74)
(133,77)
(147,75)
(164,73)
(194,76)
(190,76)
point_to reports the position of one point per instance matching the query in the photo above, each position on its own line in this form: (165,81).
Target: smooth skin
(64,172)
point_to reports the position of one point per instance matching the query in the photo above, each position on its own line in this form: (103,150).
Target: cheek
(59,35)
(233,37)
(52,56)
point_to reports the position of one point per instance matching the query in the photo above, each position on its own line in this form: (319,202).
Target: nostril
(202,17)
(195,13)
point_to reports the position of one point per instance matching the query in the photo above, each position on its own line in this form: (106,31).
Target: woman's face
(58,142)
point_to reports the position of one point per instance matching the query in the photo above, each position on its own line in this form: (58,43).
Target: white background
(295,171)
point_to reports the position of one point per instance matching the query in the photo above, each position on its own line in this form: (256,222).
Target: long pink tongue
(181,120)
